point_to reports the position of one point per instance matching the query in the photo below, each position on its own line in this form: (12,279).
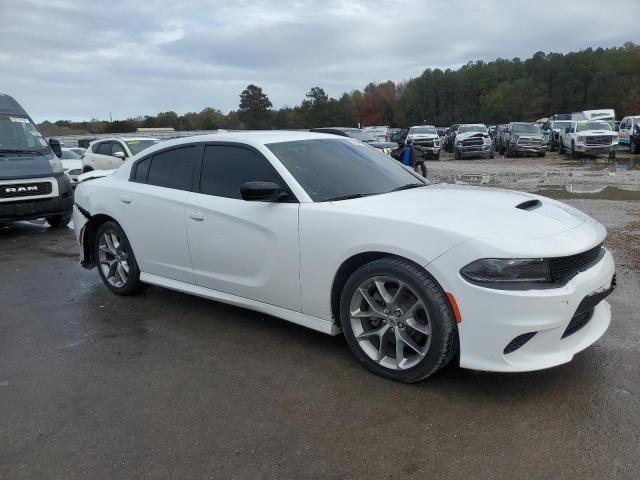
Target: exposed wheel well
(89,237)
(87,169)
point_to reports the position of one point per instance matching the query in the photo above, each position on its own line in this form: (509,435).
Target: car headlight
(508,270)
(56,165)
(580,138)
(513,139)
(487,140)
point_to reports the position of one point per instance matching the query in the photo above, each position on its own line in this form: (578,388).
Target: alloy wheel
(113,258)
(390,323)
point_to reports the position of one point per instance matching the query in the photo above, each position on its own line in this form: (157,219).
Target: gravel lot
(165,385)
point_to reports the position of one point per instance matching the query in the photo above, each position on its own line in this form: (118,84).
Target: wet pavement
(165,385)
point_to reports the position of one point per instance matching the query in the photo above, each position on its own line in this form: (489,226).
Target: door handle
(125,199)
(197,216)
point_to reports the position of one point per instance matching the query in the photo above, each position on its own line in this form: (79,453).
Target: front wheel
(59,221)
(116,263)
(561,147)
(612,155)
(574,154)
(420,168)
(541,154)
(634,146)
(397,320)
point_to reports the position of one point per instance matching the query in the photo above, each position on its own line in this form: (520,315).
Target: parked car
(32,180)
(473,140)
(553,129)
(381,133)
(359,134)
(424,139)
(629,133)
(78,150)
(522,138)
(450,138)
(590,137)
(497,135)
(71,163)
(399,136)
(110,153)
(326,233)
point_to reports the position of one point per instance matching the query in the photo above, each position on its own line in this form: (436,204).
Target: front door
(244,248)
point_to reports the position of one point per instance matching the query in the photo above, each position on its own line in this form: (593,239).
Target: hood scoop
(530,205)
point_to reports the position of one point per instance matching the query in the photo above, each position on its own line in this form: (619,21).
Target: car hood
(465,135)
(93,174)
(383,144)
(596,132)
(423,136)
(473,212)
(22,165)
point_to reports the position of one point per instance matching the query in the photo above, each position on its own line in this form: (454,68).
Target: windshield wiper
(408,186)
(348,197)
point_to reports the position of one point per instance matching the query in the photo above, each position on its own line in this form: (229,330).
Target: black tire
(59,221)
(634,145)
(457,155)
(501,150)
(612,155)
(444,342)
(541,154)
(509,152)
(87,169)
(561,147)
(420,168)
(133,284)
(574,154)
(438,156)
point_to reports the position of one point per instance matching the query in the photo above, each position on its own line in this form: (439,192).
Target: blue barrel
(406,156)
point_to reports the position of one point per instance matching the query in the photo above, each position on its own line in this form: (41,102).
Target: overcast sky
(81,59)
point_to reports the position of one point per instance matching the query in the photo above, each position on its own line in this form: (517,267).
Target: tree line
(491,92)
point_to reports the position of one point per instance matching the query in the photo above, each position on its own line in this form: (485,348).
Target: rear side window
(226,168)
(172,168)
(95,147)
(142,170)
(105,148)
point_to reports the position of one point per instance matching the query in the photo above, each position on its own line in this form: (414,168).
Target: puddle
(598,192)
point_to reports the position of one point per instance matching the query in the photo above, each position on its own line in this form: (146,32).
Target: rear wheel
(397,320)
(116,263)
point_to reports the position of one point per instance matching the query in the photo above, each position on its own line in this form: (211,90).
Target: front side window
(136,146)
(172,168)
(105,148)
(332,169)
(117,147)
(18,133)
(225,168)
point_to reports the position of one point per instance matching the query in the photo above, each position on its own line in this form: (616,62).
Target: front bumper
(26,208)
(485,150)
(582,148)
(426,149)
(492,319)
(533,149)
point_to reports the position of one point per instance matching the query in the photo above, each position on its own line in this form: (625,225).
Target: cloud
(81,59)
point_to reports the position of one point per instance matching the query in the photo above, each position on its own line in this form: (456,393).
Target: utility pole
(110,118)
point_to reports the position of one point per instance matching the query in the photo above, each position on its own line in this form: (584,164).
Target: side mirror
(55,146)
(261,192)
(120,155)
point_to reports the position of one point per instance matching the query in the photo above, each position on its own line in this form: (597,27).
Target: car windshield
(526,128)
(136,146)
(423,130)
(361,135)
(592,126)
(561,125)
(472,128)
(69,155)
(18,133)
(330,169)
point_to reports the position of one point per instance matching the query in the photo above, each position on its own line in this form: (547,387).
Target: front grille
(564,268)
(533,142)
(472,142)
(599,140)
(578,321)
(518,342)
(423,143)
(18,190)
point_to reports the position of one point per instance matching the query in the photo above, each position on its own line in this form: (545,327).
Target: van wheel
(397,320)
(116,263)
(59,221)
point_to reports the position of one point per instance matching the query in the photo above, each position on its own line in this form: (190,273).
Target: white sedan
(328,233)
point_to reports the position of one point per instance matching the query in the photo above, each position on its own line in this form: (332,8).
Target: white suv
(110,153)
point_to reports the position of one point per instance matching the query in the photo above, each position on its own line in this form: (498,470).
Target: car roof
(124,139)
(418,126)
(9,105)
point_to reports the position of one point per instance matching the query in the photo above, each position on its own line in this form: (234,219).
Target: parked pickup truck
(32,179)
(425,140)
(521,138)
(629,132)
(473,140)
(590,137)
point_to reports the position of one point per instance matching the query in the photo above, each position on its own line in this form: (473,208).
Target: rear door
(244,248)
(154,211)
(103,158)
